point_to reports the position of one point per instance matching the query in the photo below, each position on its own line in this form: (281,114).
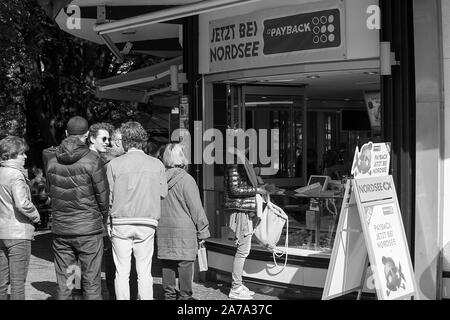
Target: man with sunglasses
(99,136)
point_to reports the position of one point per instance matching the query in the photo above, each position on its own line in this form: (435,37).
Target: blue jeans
(14,262)
(242,252)
(88,250)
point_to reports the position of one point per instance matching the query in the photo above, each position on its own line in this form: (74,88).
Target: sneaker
(249,292)
(240,293)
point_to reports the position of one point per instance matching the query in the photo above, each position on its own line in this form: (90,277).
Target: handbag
(269,228)
(202,258)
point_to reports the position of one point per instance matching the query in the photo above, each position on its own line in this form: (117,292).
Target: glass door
(269,108)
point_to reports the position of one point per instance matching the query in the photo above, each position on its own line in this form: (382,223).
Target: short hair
(174,156)
(11,147)
(116,135)
(93,129)
(133,135)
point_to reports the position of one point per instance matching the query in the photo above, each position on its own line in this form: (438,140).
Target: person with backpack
(241,186)
(182,226)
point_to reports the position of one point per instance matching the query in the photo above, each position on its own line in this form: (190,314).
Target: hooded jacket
(183,221)
(78,187)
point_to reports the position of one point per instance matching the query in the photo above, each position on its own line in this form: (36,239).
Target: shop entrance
(321,118)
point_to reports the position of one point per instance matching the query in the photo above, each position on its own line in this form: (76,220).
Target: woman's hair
(133,135)
(11,147)
(174,156)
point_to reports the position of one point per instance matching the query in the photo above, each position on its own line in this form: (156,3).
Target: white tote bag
(269,228)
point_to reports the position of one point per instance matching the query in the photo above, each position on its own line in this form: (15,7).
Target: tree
(47,76)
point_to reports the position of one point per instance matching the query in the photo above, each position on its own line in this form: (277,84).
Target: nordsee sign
(374,188)
(284,35)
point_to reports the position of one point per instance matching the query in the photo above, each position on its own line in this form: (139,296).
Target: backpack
(269,228)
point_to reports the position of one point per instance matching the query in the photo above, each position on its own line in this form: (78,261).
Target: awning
(143,26)
(141,84)
(160,40)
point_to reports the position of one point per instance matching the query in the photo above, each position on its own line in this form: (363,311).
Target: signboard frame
(370,244)
(361,264)
(379,219)
(349,208)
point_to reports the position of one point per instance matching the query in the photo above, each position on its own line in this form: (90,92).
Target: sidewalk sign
(370,229)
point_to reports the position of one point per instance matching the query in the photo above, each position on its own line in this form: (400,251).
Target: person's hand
(261,190)
(270,188)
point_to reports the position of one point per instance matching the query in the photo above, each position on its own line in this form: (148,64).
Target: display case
(312,221)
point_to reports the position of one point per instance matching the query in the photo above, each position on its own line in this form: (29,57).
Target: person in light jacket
(138,183)
(17,215)
(182,226)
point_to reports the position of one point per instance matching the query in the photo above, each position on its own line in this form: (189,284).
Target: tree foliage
(47,76)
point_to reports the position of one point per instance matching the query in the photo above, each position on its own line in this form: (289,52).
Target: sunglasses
(104,139)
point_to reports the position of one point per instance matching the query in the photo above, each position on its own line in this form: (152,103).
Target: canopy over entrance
(151,27)
(141,84)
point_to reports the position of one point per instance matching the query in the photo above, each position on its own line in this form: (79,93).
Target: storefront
(307,70)
(314,70)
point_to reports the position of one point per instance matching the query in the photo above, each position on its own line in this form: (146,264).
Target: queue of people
(107,197)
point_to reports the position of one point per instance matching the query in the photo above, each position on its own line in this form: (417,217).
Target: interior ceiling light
(129,32)
(283,80)
(313,77)
(370,72)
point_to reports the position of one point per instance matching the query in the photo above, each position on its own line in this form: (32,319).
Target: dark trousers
(14,262)
(88,250)
(185,275)
(110,272)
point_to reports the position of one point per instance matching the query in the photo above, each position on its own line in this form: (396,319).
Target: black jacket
(78,187)
(239,191)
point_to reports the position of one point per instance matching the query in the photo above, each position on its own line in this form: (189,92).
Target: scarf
(15,164)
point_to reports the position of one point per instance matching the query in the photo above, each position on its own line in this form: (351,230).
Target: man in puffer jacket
(79,191)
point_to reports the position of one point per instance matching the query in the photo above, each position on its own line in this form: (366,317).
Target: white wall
(429,148)
(361,42)
(445,5)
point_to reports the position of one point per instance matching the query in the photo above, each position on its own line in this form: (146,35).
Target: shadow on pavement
(41,247)
(47,287)
(220,286)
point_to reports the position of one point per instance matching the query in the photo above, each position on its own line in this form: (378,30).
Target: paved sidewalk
(41,280)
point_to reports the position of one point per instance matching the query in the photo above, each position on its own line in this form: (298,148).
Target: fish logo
(395,279)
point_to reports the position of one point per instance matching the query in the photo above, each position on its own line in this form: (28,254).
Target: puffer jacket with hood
(183,221)
(78,187)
